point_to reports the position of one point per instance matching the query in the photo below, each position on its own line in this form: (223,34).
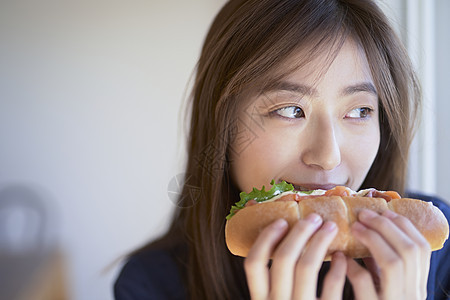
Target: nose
(321,146)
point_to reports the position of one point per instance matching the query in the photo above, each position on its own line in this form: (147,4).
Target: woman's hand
(401,258)
(295,266)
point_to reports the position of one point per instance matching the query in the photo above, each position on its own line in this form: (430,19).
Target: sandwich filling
(285,192)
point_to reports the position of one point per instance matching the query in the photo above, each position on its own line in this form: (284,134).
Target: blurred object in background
(31,264)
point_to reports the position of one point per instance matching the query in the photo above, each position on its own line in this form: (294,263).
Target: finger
(391,233)
(309,264)
(287,254)
(335,279)
(255,264)
(407,241)
(391,264)
(361,281)
(424,247)
(374,271)
(379,247)
(406,226)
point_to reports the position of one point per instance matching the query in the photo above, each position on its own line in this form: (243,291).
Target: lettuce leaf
(260,195)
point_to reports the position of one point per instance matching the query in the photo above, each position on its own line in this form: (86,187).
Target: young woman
(317,93)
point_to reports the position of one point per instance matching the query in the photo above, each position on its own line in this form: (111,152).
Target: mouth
(312,186)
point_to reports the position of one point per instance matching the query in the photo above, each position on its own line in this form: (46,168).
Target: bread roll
(243,228)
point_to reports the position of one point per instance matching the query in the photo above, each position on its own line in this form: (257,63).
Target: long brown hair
(246,42)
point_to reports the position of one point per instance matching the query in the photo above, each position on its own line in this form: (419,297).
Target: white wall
(89,99)
(90,93)
(424,26)
(442,10)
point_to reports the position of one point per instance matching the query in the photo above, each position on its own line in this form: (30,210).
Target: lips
(312,186)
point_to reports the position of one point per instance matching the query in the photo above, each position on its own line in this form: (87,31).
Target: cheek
(360,154)
(259,161)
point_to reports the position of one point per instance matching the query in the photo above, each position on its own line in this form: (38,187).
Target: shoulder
(151,274)
(439,276)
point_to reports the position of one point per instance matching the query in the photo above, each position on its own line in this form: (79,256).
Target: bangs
(274,41)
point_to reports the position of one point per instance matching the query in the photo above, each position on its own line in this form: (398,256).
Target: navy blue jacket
(155,274)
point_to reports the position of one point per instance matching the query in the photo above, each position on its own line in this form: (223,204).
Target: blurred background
(91,130)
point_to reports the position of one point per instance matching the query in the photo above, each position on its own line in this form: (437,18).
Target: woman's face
(311,130)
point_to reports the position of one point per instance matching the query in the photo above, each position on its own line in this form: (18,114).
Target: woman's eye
(359,113)
(291,112)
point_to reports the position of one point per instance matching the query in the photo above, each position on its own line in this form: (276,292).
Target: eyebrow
(310,91)
(359,87)
(291,87)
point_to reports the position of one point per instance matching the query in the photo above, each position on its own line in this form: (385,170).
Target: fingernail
(389,214)
(279,224)
(314,218)
(329,226)
(366,214)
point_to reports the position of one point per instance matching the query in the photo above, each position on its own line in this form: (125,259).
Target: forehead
(337,65)
(306,71)
(348,61)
